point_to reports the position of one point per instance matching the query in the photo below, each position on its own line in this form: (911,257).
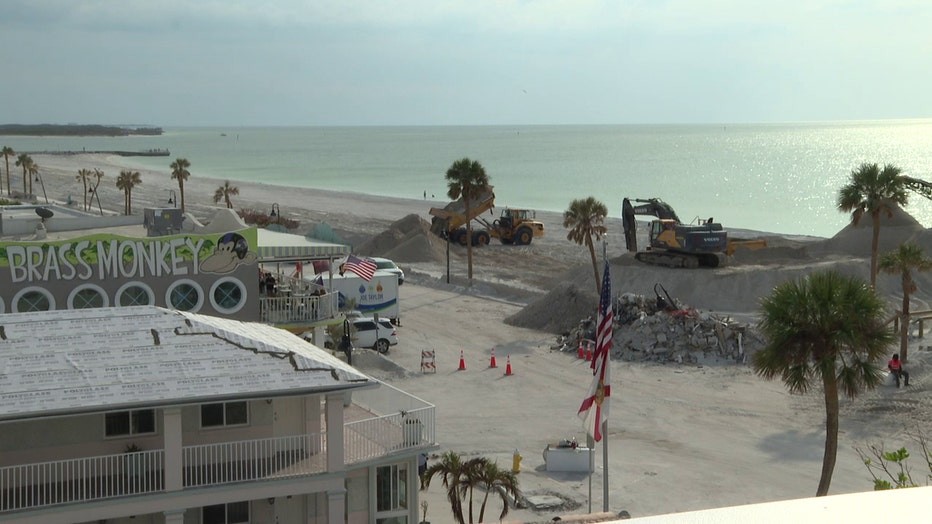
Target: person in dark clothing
(895,365)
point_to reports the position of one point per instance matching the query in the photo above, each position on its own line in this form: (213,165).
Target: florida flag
(594,408)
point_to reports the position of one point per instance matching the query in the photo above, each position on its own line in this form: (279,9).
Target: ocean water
(781,178)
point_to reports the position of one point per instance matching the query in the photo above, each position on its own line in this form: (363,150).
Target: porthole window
(88,296)
(32,299)
(185,295)
(135,294)
(228,295)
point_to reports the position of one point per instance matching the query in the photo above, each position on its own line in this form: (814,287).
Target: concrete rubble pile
(646,330)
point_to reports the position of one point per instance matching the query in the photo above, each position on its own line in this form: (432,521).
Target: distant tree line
(74,130)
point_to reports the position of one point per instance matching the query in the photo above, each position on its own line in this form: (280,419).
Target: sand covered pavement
(681,437)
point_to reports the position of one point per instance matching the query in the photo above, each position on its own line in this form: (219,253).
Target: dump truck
(513,226)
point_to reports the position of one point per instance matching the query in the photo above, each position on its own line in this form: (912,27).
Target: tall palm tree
(7,152)
(585,219)
(126,182)
(34,172)
(873,191)
(84,175)
(224,192)
(452,471)
(24,161)
(903,261)
(99,175)
(827,327)
(501,480)
(467,179)
(180,173)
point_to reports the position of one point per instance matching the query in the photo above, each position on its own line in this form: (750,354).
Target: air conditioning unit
(162,222)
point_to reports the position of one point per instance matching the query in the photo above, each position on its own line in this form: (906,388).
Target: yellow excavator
(674,244)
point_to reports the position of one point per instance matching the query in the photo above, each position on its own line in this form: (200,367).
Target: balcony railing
(411,424)
(80,480)
(228,462)
(296,308)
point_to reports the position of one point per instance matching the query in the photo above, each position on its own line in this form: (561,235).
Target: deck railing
(294,308)
(228,462)
(83,479)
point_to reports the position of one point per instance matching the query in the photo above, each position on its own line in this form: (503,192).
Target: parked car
(386,265)
(368,334)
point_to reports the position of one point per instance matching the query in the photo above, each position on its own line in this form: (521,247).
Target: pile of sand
(560,310)
(896,228)
(406,240)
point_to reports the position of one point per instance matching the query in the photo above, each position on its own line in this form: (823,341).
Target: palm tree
(873,191)
(24,161)
(7,152)
(498,479)
(224,192)
(84,175)
(585,219)
(826,327)
(904,261)
(180,173)
(467,179)
(452,470)
(126,182)
(34,172)
(99,175)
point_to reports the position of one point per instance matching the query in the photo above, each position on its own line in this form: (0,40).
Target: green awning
(286,246)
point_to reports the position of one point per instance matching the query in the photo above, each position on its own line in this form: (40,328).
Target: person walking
(895,365)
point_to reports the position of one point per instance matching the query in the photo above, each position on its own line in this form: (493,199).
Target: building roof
(89,360)
(274,245)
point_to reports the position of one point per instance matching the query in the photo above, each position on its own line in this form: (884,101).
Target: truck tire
(524,236)
(480,238)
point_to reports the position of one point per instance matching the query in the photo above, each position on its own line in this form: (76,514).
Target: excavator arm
(649,206)
(919,186)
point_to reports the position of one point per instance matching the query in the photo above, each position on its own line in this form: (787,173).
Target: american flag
(363,267)
(594,408)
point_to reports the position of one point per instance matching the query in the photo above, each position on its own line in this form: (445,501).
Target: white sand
(681,438)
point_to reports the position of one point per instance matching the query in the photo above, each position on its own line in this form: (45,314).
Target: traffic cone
(588,354)
(508,372)
(462,362)
(579,351)
(492,363)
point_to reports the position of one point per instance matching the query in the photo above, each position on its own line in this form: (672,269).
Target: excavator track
(679,260)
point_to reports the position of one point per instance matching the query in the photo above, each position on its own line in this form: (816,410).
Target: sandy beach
(681,437)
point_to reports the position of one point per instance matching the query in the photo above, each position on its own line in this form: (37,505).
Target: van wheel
(381,345)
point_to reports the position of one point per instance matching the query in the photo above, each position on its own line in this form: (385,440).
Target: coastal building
(148,415)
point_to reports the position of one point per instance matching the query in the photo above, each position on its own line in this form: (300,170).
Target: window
(134,295)
(232,513)
(391,492)
(126,423)
(224,414)
(184,295)
(228,295)
(87,296)
(33,299)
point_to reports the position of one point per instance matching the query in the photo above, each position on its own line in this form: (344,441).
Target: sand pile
(560,310)
(406,240)
(855,240)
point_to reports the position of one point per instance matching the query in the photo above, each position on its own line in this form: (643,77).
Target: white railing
(374,437)
(227,462)
(296,308)
(79,480)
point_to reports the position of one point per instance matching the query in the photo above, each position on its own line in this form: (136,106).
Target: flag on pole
(363,267)
(594,408)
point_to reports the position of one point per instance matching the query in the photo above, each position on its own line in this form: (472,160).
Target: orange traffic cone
(492,363)
(579,351)
(508,372)
(462,362)
(588,354)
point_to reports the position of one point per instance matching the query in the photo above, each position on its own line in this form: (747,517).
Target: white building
(147,415)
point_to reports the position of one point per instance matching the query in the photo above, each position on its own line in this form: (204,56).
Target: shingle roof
(86,360)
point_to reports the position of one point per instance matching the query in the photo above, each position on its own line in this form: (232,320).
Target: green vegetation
(180,173)
(585,219)
(826,328)
(893,464)
(126,182)
(467,179)
(903,262)
(461,478)
(224,193)
(74,130)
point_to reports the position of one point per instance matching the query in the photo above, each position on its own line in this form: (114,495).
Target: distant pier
(146,152)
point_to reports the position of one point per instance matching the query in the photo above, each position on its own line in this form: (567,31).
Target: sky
(463,62)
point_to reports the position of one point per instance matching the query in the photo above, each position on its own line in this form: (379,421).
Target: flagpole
(590,443)
(608,362)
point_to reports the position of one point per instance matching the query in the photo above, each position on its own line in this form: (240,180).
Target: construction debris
(653,330)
